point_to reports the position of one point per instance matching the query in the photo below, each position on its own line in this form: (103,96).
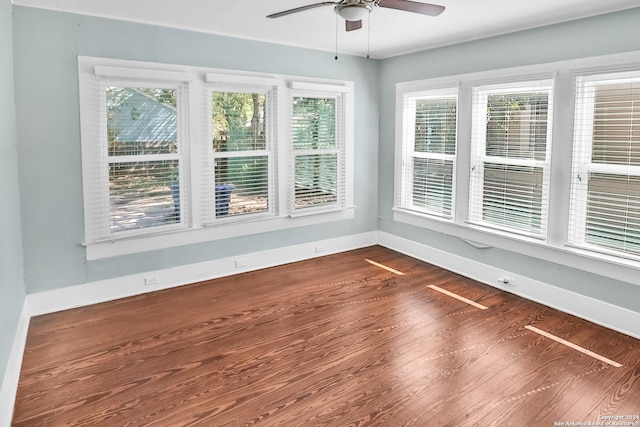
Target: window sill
(137,244)
(409,217)
(558,253)
(598,254)
(318,211)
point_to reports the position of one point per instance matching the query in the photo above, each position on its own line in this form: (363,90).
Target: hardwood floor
(334,341)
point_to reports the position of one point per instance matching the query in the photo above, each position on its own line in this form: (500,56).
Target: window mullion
(235,154)
(438,156)
(311,152)
(612,169)
(144,158)
(515,162)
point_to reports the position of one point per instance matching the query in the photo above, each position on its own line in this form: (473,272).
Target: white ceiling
(392,32)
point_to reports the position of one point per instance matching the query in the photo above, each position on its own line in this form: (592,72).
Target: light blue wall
(46,45)
(606,34)
(12,289)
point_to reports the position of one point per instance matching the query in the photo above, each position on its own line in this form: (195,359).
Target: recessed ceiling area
(385,33)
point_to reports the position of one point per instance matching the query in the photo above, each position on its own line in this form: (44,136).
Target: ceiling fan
(353,11)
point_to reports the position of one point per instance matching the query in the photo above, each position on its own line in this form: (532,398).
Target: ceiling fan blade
(413,6)
(301,8)
(353,25)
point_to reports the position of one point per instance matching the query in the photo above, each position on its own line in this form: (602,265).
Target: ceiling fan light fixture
(353,12)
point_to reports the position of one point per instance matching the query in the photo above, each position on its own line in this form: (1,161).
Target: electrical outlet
(151,280)
(241,262)
(319,249)
(507,281)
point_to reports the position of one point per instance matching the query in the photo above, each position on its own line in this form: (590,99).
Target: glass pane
(435,126)
(141,121)
(143,194)
(316,180)
(616,124)
(432,183)
(613,212)
(512,196)
(313,123)
(242,185)
(517,125)
(239,121)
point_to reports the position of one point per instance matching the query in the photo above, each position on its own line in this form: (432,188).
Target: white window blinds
(605,196)
(317,151)
(242,126)
(511,142)
(429,129)
(139,159)
(175,154)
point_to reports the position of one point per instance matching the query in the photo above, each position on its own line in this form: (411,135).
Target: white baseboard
(12,373)
(126,286)
(608,315)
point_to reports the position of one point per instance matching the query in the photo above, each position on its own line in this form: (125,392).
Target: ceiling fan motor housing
(354,10)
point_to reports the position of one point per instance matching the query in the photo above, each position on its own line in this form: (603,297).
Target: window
(143,157)
(575,204)
(317,142)
(605,196)
(175,155)
(138,138)
(429,151)
(242,138)
(511,142)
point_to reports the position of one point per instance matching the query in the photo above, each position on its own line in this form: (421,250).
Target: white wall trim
(126,286)
(12,372)
(608,315)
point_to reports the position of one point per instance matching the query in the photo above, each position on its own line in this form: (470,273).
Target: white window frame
(556,248)
(408,96)
(196,180)
(299,90)
(585,85)
(480,95)
(226,83)
(95,153)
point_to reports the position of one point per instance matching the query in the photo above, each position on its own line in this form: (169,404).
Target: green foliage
(238,121)
(164,96)
(502,109)
(435,130)
(314,128)
(517,125)
(238,124)
(314,124)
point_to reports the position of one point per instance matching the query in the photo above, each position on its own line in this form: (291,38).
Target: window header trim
(109,72)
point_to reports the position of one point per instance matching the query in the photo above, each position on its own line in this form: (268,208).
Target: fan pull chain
(337,21)
(368,34)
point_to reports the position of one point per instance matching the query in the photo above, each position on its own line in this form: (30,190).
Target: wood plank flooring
(333,341)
